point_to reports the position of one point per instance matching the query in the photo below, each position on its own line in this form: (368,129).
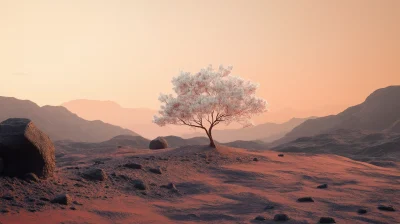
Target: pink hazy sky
(305,54)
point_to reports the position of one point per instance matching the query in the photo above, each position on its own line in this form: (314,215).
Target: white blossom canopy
(208,98)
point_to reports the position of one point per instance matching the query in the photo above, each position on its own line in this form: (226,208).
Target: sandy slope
(224,186)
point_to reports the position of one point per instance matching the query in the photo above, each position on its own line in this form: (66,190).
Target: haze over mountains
(136,119)
(58,122)
(379,112)
(367,132)
(140,121)
(267,132)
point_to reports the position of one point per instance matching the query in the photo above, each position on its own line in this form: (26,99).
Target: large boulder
(25,149)
(158,143)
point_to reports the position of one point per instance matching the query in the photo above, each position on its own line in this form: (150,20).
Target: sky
(306,55)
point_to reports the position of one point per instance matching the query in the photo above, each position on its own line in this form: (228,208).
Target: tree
(208,98)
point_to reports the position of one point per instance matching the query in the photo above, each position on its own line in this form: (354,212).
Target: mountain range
(140,121)
(58,122)
(379,112)
(267,132)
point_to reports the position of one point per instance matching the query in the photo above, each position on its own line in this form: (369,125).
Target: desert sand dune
(227,185)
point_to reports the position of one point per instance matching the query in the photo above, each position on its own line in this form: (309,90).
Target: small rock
(281,155)
(124,177)
(255,159)
(78,185)
(4,210)
(158,143)
(139,184)
(386,208)
(326,220)
(95,174)
(361,211)
(170,186)
(133,166)
(156,170)
(31,177)
(44,199)
(63,199)
(72,208)
(260,218)
(323,186)
(31,199)
(32,210)
(40,203)
(268,207)
(98,162)
(193,216)
(281,217)
(8,197)
(305,199)
(77,203)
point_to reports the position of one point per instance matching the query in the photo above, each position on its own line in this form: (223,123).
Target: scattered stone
(25,149)
(79,185)
(63,199)
(133,166)
(386,208)
(139,184)
(98,162)
(281,155)
(32,210)
(31,199)
(4,210)
(193,216)
(323,186)
(361,211)
(269,207)
(170,186)
(281,217)
(305,199)
(260,218)
(124,177)
(44,199)
(77,203)
(72,208)
(17,205)
(31,177)
(40,203)
(158,143)
(255,159)
(8,197)
(156,170)
(95,175)
(326,220)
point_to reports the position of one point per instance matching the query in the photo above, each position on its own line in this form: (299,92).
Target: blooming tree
(208,98)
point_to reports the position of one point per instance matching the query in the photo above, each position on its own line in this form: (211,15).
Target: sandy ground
(213,186)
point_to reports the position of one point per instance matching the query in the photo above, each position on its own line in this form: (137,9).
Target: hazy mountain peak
(58,122)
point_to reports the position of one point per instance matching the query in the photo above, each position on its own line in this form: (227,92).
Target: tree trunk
(212,144)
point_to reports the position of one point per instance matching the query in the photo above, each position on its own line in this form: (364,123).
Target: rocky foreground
(198,184)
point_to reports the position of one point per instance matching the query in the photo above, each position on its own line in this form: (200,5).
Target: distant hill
(136,119)
(356,144)
(267,132)
(138,142)
(379,112)
(58,122)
